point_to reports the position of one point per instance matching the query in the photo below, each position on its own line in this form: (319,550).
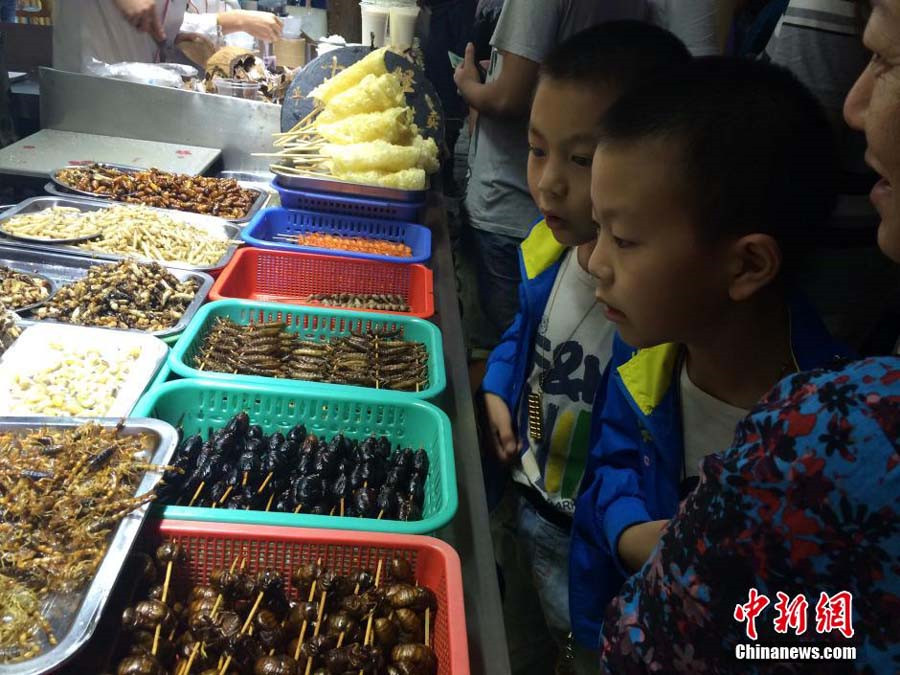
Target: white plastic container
(374,23)
(403,26)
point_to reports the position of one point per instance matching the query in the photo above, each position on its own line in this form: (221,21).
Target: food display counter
(467,633)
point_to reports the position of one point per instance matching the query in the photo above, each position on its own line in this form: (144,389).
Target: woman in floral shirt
(792,538)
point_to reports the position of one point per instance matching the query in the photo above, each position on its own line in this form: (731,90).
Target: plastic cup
(403,26)
(374,22)
(237,88)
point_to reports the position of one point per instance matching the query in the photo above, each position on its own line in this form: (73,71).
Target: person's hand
(637,542)
(142,15)
(467,72)
(505,443)
(264,26)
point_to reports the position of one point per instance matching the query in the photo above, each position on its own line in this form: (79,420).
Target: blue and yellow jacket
(540,256)
(634,471)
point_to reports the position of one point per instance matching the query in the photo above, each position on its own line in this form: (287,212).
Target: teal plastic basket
(312,323)
(204,406)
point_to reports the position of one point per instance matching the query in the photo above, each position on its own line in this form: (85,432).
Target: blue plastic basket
(328,202)
(203,406)
(269,226)
(312,323)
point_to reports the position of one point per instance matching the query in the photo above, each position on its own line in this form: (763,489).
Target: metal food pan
(60,189)
(337,186)
(74,616)
(62,269)
(34,305)
(124,168)
(210,223)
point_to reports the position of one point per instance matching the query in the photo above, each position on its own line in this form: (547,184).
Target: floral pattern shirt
(806,502)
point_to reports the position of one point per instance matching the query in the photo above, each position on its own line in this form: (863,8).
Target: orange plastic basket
(211,546)
(289,277)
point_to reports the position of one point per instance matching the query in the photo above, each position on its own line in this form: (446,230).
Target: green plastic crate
(202,406)
(313,323)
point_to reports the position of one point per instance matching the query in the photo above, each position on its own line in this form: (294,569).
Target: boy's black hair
(615,53)
(757,153)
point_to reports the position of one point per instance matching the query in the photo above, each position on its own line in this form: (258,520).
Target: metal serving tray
(124,168)
(59,188)
(61,269)
(30,351)
(342,187)
(74,616)
(34,305)
(35,204)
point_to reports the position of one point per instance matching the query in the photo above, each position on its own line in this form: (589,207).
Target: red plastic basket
(288,277)
(211,546)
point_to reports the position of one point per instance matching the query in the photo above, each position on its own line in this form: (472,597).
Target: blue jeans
(7,11)
(497,259)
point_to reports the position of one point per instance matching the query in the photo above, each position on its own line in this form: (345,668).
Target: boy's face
(561,138)
(659,280)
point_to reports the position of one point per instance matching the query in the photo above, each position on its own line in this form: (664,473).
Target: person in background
(144,31)
(705,183)
(844,273)
(692,21)
(803,507)
(7,11)
(542,378)
(498,203)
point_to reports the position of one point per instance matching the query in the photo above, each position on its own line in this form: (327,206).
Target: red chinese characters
(750,611)
(835,613)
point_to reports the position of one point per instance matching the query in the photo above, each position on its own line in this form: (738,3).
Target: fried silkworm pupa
(170,552)
(361,578)
(411,623)
(140,664)
(142,643)
(300,612)
(420,655)
(304,575)
(279,664)
(146,615)
(400,570)
(408,511)
(387,632)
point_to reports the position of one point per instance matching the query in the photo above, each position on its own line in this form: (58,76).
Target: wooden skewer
(342,507)
(427,625)
(368,636)
(269,504)
(244,628)
(165,593)
(264,483)
(225,496)
(309,661)
(299,506)
(197,493)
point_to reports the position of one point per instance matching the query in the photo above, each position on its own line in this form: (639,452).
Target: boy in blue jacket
(542,379)
(704,185)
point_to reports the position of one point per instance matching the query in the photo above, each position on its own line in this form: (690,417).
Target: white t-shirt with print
(708,424)
(572,347)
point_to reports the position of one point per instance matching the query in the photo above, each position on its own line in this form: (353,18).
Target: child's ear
(755,263)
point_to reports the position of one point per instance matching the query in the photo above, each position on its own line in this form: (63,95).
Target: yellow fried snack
(372,94)
(428,154)
(408,179)
(373,64)
(372,156)
(393,126)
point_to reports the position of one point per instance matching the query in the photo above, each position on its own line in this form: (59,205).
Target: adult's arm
(508,95)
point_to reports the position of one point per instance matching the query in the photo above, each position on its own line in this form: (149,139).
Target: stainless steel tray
(33,305)
(61,269)
(42,240)
(125,168)
(350,189)
(35,204)
(60,189)
(74,616)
